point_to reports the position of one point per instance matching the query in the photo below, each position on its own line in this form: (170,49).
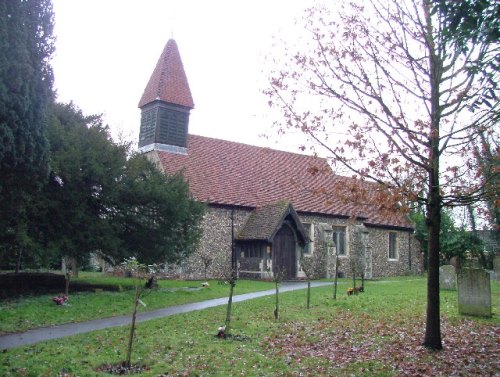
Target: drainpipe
(233,251)
(409,250)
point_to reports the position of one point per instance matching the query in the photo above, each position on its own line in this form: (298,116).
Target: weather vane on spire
(173,19)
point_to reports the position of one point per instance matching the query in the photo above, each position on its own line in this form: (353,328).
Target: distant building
(279,203)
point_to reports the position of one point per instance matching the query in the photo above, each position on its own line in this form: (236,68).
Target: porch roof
(265,221)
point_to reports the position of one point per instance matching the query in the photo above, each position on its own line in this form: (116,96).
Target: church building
(267,209)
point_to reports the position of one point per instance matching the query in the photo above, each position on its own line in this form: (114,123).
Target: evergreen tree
(453,241)
(157,218)
(470,21)
(97,200)
(75,206)
(26,46)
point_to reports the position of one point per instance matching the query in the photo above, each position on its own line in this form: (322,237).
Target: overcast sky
(106,51)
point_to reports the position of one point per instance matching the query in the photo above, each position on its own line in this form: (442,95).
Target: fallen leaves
(469,348)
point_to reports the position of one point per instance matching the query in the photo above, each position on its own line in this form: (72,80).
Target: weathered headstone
(455,262)
(447,278)
(474,292)
(496,267)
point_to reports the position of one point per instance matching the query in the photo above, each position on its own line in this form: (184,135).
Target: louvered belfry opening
(164,123)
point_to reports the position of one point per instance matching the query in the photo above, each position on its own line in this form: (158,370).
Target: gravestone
(455,262)
(474,292)
(447,278)
(496,268)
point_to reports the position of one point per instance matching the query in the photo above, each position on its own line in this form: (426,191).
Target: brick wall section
(216,242)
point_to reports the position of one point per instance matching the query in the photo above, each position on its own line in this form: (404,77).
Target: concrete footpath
(61,331)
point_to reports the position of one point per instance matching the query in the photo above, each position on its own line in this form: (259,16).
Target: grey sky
(106,51)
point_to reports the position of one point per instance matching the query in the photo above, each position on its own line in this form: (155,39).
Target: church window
(309,228)
(339,240)
(393,246)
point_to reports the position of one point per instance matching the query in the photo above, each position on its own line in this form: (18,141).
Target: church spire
(165,104)
(168,82)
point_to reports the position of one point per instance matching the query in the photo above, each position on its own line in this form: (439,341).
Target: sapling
(353,271)
(143,274)
(206,257)
(230,274)
(335,278)
(232,283)
(67,278)
(313,268)
(279,275)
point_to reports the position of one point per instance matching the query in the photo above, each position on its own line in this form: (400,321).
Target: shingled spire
(165,105)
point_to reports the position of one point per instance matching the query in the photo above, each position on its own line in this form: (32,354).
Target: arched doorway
(284,258)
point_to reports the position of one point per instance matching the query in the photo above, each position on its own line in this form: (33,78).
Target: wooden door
(284,258)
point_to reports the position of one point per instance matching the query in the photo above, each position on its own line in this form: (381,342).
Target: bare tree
(228,271)
(206,257)
(142,273)
(313,267)
(390,100)
(279,275)
(336,269)
(357,256)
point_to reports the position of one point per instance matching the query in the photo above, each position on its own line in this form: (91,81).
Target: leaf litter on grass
(469,348)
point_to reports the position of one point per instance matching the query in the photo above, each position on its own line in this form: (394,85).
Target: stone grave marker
(474,292)
(496,268)
(447,278)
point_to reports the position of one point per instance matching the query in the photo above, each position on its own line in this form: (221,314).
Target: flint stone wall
(408,249)
(216,245)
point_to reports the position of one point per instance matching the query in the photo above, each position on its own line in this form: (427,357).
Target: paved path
(54,332)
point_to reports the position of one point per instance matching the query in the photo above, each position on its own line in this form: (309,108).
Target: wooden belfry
(165,105)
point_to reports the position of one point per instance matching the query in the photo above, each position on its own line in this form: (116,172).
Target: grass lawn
(28,312)
(377,333)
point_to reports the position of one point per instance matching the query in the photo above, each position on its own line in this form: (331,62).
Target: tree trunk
(433,325)
(354,280)
(64,268)
(432,338)
(336,276)
(308,294)
(66,285)
(227,330)
(277,307)
(132,327)
(74,267)
(19,254)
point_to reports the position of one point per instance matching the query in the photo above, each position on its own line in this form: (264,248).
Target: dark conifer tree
(26,46)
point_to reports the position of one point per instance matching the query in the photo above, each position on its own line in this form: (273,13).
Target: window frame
(309,248)
(393,247)
(335,234)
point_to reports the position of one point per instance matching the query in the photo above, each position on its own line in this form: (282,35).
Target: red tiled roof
(229,173)
(168,82)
